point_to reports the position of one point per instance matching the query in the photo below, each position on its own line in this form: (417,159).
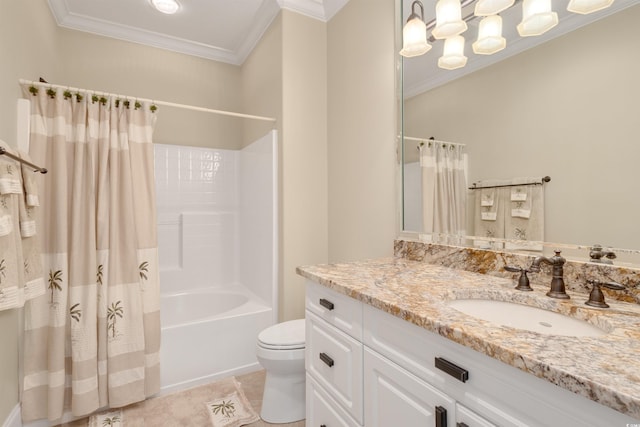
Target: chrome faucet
(557,281)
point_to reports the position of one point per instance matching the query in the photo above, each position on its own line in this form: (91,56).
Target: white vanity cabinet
(382,372)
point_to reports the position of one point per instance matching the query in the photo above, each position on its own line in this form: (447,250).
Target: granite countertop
(605,369)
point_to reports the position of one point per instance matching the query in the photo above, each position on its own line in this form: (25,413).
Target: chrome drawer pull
(326,304)
(326,359)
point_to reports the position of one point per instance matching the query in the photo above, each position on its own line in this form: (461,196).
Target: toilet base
(283,399)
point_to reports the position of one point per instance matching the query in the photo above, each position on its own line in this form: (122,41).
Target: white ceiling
(222,30)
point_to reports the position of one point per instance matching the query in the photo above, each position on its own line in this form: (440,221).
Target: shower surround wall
(217,246)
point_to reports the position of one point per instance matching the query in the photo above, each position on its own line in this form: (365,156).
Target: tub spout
(557,281)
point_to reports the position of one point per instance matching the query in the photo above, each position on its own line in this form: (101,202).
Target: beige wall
(304,154)
(25,26)
(261,82)
(567,109)
(115,66)
(361,128)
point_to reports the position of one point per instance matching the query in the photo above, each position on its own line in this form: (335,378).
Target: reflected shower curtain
(444,182)
(93,339)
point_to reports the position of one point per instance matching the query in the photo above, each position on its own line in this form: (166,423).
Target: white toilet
(280,351)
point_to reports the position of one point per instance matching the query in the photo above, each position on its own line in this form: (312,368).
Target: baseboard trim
(14,419)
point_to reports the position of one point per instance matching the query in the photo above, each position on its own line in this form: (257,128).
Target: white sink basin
(525,317)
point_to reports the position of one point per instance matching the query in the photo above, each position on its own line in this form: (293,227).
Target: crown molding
(322,10)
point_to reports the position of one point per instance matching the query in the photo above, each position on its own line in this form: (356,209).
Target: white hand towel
(521,202)
(489,220)
(529,230)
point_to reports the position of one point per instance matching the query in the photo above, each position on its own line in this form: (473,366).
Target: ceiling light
(414,33)
(490,38)
(588,6)
(449,21)
(537,18)
(453,55)
(492,7)
(166,6)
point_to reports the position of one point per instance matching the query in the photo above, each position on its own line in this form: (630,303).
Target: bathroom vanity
(385,347)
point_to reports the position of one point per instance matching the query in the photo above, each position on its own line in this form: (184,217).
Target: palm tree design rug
(232,410)
(222,403)
(107,419)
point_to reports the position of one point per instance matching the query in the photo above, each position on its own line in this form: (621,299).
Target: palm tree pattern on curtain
(98,323)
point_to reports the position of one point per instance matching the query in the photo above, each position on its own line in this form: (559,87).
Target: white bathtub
(208,334)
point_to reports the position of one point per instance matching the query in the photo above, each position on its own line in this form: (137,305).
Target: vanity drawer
(466,417)
(334,360)
(403,343)
(341,311)
(322,410)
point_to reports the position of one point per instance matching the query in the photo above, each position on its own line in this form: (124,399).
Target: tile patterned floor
(252,385)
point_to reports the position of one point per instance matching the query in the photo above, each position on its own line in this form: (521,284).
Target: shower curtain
(444,182)
(93,339)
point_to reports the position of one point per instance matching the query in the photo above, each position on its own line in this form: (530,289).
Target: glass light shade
(537,18)
(414,38)
(588,6)
(490,38)
(166,6)
(492,7)
(449,21)
(453,55)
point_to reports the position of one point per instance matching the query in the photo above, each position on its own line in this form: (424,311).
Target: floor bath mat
(189,408)
(107,419)
(232,410)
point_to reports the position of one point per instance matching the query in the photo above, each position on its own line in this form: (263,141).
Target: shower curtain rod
(163,103)
(475,186)
(4,152)
(411,138)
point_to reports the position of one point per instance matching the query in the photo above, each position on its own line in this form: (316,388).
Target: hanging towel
(526,222)
(489,217)
(20,262)
(33,277)
(521,202)
(11,261)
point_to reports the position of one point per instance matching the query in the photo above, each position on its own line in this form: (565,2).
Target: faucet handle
(598,254)
(596,297)
(523,281)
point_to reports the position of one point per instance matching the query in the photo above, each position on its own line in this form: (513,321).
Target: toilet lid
(283,336)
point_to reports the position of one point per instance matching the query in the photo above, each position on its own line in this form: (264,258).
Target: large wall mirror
(564,105)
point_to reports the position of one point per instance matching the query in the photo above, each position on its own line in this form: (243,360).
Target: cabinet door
(394,397)
(322,410)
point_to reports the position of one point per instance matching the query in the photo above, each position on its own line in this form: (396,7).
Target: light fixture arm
(413,11)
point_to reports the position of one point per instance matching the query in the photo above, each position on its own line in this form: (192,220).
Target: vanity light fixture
(537,18)
(492,7)
(453,55)
(414,33)
(449,21)
(490,38)
(588,6)
(168,7)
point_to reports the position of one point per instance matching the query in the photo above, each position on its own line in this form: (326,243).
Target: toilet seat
(283,336)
